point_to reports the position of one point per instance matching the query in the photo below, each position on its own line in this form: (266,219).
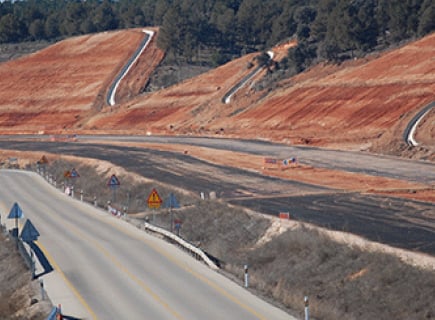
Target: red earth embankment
(355,105)
(59,87)
(360,104)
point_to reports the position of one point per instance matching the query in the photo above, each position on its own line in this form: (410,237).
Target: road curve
(117,271)
(227,97)
(114,87)
(409,133)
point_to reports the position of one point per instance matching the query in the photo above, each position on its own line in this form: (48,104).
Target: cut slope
(354,105)
(360,104)
(55,88)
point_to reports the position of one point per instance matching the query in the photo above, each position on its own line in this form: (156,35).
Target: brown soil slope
(187,107)
(350,106)
(356,105)
(57,87)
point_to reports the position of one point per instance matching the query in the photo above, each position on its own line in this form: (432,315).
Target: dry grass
(19,297)
(343,282)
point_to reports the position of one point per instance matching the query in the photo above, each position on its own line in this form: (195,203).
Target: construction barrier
(273,163)
(284,215)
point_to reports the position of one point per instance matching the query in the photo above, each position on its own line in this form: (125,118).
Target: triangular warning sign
(154,200)
(113,181)
(29,232)
(74,173)
(43,160)
(16,212)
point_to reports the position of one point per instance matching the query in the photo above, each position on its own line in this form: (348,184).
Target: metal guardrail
(198,253)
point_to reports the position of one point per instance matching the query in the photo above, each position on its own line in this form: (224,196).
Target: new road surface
(397,222)
(105,268)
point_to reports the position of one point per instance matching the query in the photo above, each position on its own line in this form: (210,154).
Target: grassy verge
(342,282)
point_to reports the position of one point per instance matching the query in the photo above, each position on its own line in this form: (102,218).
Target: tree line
(325,29)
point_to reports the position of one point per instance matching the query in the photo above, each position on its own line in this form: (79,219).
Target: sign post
(30,234)
(154,201)
(15,213)
(171,203)
(40,165)
(114,184)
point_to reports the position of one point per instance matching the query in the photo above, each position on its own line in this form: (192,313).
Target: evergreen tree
(11,30)
(427,18)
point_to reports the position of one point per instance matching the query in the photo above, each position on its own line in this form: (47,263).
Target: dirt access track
(363,104)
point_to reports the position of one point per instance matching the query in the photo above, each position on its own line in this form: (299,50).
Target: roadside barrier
(196,252)
(55,314)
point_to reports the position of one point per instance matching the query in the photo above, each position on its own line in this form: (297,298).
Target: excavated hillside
(56,88)
(363,104)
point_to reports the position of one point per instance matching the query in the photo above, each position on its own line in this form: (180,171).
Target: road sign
(74,173)
(171,202)
(154,201)
(16,212)
(43,160)
(29,232)
(113,181)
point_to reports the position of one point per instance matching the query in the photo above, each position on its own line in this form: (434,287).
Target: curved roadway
(398,222)
(114,87)
(112,270)
(410,129)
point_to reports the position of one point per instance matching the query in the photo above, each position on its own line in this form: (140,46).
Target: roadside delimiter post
(246,276)
(307,311)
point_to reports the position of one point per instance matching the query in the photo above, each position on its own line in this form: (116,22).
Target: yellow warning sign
(43,160)
(154,201)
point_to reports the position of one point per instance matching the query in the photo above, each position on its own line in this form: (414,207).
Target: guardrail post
(32,264)
(81,195)
(246,276)
(41,284)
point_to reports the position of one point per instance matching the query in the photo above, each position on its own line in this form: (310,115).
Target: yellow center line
(185,268)
(65,279)
(120,266)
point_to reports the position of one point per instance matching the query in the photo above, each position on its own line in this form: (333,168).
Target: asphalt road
(113,270)
(398,222)
(358,162)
